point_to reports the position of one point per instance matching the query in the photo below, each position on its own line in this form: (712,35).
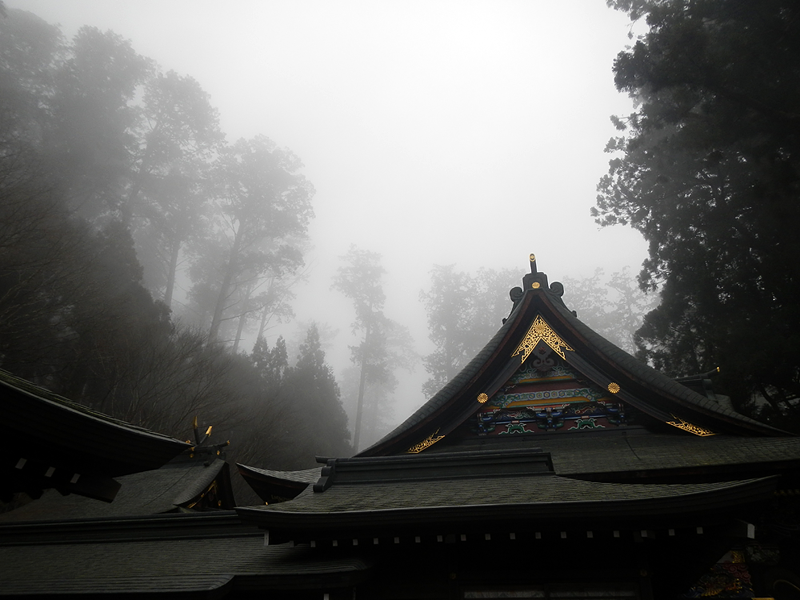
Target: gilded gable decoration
(541,331)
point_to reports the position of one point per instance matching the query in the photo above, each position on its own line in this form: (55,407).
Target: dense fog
(427,147)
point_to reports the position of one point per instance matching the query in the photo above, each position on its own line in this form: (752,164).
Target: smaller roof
(277,486)
(173,486)
(53,442)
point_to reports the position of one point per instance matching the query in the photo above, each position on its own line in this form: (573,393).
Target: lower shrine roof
(538,496)
(207,566)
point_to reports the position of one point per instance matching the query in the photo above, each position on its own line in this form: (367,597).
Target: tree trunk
(242,319)
(224,287)
(362,385)
(173,268)
(360,405)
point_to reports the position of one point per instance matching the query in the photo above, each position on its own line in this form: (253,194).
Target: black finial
(534,280)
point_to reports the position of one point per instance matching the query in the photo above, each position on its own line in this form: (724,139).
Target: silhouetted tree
(708,170)
(313,389)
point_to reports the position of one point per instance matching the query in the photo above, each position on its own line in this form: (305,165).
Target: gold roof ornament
(690,427)
(541,331)
(426,443)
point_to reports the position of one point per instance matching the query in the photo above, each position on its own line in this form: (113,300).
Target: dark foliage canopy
(101,156)
(708,170)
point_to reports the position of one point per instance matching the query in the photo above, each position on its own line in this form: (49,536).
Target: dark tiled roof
(637,450)
(423,508)
(168,566)
(581,454)
(146,493)
(44,430)
(277,486)
(304,476)
(11,383)
(533,491)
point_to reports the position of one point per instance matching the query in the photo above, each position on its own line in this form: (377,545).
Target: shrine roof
(34,411)
(599,360)
(356,509)
(149,492)
(56,443)
(211,556)
(538,493)
(303,476)
(277,486)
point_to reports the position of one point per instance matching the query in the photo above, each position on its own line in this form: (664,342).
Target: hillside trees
(708,170)
(385,345)
(170,181)
(302,401)
(264,206)
(101,157)
(313,387)
(464,312)
(94,121)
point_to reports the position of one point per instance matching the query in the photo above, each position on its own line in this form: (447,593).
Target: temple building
(555,465)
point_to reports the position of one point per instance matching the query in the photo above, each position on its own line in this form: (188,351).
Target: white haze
(434,132)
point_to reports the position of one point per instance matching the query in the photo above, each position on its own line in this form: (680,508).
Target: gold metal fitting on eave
(614,388)
(426,443)
(691,428)
(482,398)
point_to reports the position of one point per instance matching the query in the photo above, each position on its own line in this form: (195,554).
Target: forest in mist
(143,252)
(150,265)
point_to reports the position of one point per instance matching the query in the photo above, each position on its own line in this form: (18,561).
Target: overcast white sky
(435,132)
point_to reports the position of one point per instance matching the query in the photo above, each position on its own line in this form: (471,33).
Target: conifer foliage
(114,177)
(708,170)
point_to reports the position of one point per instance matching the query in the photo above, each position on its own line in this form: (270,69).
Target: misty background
(434,133)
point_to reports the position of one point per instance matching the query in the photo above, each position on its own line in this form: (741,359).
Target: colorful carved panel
(546,396)
(729,578)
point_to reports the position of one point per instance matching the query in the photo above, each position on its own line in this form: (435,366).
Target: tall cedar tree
(360,279)
(385,345)
(708,170)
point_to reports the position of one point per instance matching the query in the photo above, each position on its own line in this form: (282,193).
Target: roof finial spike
(533,263)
